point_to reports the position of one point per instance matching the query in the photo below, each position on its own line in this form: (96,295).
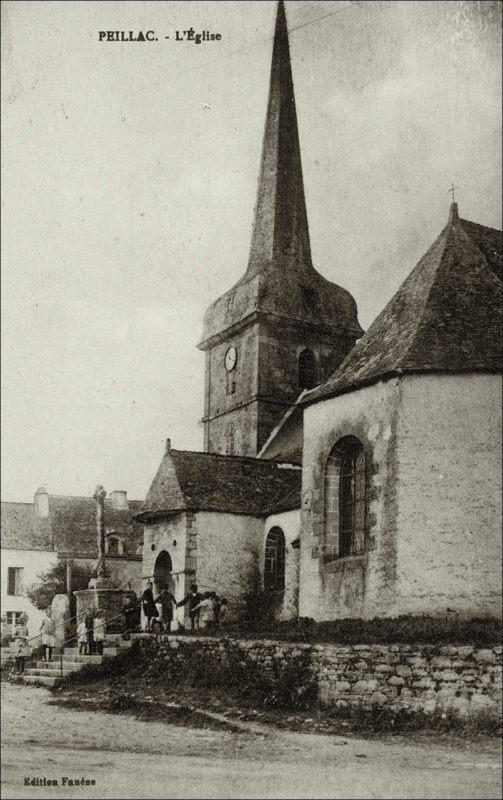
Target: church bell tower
(282,327)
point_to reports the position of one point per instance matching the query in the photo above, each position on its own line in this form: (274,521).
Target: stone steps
(47,672)
(43,679)
(55,663)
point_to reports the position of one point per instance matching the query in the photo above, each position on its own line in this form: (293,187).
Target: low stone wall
(422,677)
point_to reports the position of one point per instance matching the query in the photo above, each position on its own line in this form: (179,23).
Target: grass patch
(124,702)
(368,721)
(405,629)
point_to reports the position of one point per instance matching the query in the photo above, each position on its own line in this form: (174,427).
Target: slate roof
(285,442)
(445,317)
(194,481)
(70,526)
(280,279)
(22,529)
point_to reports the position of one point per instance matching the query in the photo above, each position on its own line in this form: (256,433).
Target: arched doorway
(163,577)
(274,561)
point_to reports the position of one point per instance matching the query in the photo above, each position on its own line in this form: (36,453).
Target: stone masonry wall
(449,546)
(353,586)
(422,677)
(227,549)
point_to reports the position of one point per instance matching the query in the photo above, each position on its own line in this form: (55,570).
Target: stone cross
(452,190)
(99,495)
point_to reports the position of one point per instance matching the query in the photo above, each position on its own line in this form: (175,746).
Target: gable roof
(195,481)
(73,521)
(22,529)
(445,317)
(70,526)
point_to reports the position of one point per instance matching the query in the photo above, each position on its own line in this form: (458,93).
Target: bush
(288,685)
(53,582)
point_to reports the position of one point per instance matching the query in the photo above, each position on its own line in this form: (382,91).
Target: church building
(344,474)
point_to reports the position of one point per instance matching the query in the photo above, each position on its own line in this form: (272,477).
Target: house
(34,535)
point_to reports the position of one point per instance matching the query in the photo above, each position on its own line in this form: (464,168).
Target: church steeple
(282,326)
(280,232)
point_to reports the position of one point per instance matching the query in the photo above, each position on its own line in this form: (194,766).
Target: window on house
(113,547)
(308,378)
(345,499)
(14,580)
(13,618)
(274,563)
(230,433)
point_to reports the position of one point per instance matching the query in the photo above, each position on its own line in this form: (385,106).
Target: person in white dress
(48,631)
(205,607)
(20,647)
(99,631)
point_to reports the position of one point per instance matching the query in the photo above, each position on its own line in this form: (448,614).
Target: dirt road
(128,758)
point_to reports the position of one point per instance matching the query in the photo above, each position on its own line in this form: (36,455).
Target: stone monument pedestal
(109,601)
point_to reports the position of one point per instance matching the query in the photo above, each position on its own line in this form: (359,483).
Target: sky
(129,176)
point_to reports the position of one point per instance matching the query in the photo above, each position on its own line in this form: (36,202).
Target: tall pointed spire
(280,232)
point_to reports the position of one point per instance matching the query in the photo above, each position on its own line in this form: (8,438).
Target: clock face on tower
(230,358)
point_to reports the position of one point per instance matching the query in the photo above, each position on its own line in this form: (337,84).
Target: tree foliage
(53,581)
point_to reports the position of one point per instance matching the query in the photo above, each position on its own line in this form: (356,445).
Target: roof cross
(452,190)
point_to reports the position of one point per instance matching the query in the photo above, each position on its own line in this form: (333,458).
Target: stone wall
(170,535)
(219,552)
(449,491)
(433,532)
(227,547)
(422,677)
(363,585)
(255,395)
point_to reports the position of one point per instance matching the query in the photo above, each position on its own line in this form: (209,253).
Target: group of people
(206,609)
(91,632)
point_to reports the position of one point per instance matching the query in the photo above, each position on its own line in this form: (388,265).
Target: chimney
(41,501)
(168,447)
(119,500)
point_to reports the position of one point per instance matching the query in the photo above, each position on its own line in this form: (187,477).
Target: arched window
(274,564)
(308,378)
(345,499)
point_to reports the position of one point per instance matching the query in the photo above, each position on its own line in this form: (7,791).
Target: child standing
(20,645)
(99,630)
(82,634)
(48,630)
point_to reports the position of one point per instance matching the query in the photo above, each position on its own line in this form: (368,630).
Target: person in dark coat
(193,598)
(167,602)
(129,612)
(89,620)
(149,606)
